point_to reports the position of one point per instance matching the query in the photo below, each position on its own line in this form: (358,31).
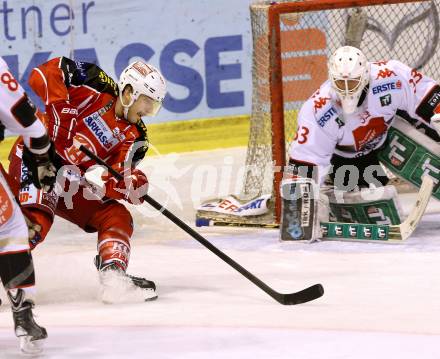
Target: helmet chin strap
(126,107)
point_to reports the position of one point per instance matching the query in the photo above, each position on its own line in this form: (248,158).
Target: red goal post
(292,41)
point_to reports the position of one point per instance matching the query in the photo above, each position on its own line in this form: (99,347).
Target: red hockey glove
(131,188)
(62,124)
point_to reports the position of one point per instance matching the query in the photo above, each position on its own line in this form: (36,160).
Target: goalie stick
(361,231)
(305,295)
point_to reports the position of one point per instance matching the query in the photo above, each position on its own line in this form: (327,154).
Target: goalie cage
(292,41)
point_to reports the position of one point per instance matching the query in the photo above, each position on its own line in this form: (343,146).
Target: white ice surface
(380,301)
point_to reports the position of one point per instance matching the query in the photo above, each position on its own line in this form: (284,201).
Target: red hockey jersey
(94,94)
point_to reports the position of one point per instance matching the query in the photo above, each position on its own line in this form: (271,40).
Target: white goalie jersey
(324,130)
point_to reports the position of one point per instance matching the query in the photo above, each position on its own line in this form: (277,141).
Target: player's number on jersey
(7,79)
(302,134)
(416,77)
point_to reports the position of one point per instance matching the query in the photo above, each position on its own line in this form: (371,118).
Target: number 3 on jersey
(7,79)
(301,134)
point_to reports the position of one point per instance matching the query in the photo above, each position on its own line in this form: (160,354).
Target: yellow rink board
(183,136)
(199,135)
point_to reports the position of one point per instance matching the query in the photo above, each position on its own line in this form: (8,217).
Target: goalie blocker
(301,212)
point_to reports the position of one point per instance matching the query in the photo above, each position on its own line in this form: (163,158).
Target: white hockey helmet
(146,80)
(349,73)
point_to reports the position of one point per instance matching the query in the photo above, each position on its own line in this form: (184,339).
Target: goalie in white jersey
(17,115)
(345,122)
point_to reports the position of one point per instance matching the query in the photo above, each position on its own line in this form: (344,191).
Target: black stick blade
(306,295)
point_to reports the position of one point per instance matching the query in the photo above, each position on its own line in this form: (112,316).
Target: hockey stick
(407,227)
(302,296)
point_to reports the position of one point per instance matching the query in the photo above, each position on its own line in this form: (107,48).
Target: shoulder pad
(384,70)
(322,105)
(83,73)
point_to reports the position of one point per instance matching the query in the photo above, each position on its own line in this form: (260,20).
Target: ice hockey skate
(120,287)
(31,335)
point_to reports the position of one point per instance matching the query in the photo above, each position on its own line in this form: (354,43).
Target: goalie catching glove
(131,188)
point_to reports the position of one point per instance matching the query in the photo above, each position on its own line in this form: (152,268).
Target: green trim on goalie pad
(355,231)
(383,212)
(409,154)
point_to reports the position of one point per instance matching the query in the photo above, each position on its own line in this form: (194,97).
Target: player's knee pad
(113,218)
(115,227)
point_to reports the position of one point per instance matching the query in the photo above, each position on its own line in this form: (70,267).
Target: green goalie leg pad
(358,231)
(410,154)
(382,212)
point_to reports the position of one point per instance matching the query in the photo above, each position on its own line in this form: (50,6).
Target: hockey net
(292,41)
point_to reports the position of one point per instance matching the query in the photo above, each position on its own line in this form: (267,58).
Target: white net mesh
(408,32)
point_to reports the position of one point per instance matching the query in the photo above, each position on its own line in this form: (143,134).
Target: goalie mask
(146,80)
(349,73)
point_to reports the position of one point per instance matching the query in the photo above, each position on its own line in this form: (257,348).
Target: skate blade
(112,296)
(151,297)
(29,346)
(116,289)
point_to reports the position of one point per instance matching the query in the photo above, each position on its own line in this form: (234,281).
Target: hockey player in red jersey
(84,106)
